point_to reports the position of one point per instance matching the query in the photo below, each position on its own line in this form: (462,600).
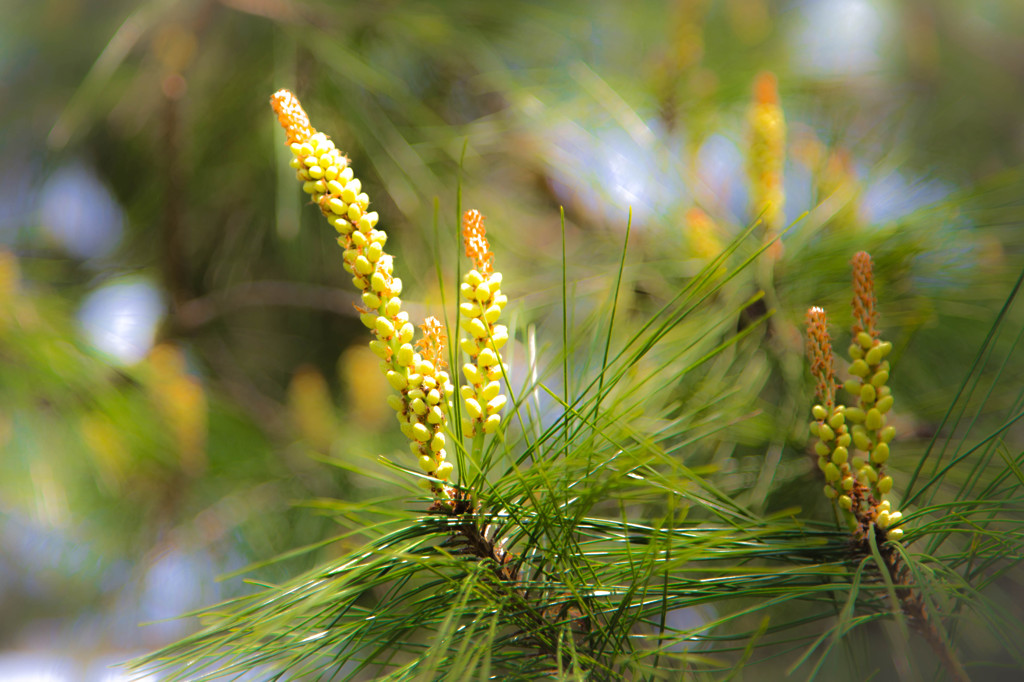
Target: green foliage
(546,572)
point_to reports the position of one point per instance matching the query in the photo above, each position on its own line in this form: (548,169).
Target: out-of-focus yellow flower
(687,34)
(423,387)
(482,303)
(311,407)
(10,275)
(366,391)
(702,235)
(10,281)
(180,400)
(767,153)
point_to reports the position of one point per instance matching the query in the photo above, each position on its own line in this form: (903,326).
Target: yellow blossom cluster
(868,384)
(853,442)
(425,389)
(422,384)
(481,306)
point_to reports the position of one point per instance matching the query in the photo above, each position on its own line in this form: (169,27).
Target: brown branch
(913,608)
(536,624)
(172,238)
(199,312)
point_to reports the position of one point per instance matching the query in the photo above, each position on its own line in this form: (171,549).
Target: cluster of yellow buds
(482,303)
(424,388)
(767,155)
(829,425)
(856,482)
(868,384)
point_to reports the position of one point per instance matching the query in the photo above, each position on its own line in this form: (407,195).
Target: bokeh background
(184,385)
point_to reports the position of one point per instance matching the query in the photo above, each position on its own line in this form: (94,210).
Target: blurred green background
(179,353)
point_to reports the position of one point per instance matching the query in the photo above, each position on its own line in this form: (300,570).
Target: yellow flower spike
(333,187)
(832,423)
(819,347)
(767,153)
(857,478)
(427,415)
(292,117)
(864,300)
(871,376)
(480,309)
